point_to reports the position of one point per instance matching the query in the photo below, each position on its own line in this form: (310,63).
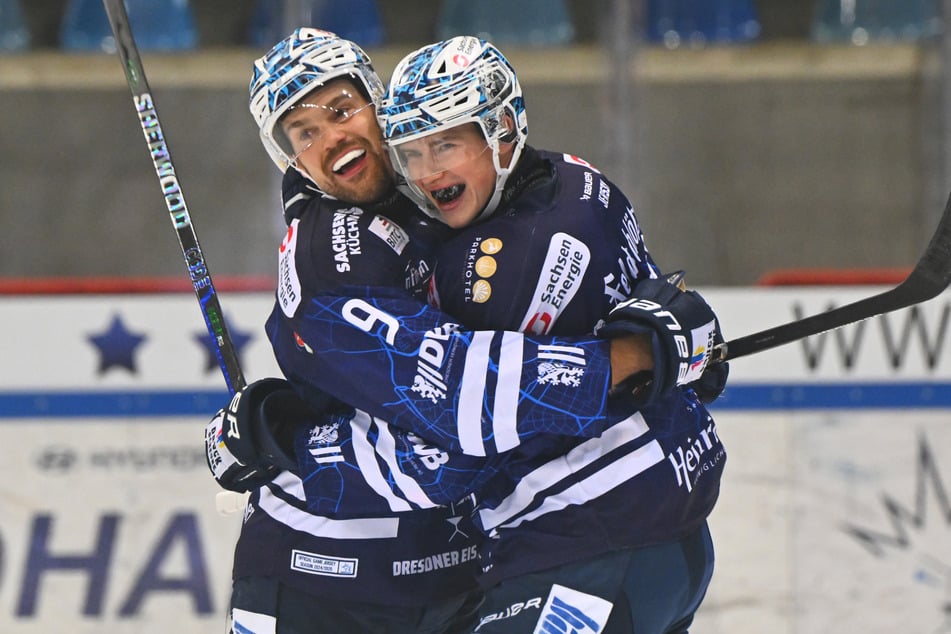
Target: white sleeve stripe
(386,449)
(366,461)
(507,390)
(599,483)
(562,349)
(290,484)
(471,393)
(574,359)
(563,467)
(320,526)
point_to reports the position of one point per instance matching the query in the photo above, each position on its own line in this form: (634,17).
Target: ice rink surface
(833,521)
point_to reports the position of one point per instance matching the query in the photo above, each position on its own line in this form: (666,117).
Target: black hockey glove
(252,440)
(683,330)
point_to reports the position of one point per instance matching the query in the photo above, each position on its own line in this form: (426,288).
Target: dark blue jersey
(551,488)
(353,326)
(386,557)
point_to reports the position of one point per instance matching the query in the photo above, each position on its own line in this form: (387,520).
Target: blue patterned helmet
(297,65)
(443,85)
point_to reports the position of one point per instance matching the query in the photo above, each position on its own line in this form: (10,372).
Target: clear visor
(305,123)
(422,157)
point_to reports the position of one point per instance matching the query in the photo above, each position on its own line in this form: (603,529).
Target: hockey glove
(252,440)
(682,328)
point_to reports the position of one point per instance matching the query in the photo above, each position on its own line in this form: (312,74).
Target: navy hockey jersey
(551,489)
(388,557)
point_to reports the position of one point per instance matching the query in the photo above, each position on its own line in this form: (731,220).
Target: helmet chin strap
(310,178)
(502,173)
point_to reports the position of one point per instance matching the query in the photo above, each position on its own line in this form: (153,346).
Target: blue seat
(356,20)
(864,21)
(676,23)
(158,25)
(14,35)
(528,23)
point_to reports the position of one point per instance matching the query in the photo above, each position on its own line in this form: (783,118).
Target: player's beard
(374,182)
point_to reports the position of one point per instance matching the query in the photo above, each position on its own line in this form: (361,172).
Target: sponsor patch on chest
(558,280)
(390,232)
(345,237)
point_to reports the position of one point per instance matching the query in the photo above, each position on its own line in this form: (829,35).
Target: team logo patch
(322,443)
(560,365)
(569,610)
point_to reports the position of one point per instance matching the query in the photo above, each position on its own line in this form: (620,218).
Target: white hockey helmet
(461,80)
(297,65)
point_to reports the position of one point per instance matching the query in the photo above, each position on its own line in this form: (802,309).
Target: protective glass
(305,123)
(443,151)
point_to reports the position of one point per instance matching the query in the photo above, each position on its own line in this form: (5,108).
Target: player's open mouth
(446,195)
(348,161)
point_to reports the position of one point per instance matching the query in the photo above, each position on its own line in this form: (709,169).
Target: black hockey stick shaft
(174,199)
(927,280)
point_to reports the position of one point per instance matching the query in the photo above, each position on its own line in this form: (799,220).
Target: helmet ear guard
(508,132)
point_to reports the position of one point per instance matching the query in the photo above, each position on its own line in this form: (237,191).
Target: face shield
(422,158)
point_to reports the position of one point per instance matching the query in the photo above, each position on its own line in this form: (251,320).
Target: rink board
(834,516)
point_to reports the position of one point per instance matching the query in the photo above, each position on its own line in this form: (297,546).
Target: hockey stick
(928,279)
(174,199)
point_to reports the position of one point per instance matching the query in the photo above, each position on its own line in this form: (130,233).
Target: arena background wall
(835,514)
(739,160)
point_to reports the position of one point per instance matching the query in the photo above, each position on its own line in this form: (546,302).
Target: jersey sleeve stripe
(319,526)
(505,405)
(366,461)
(471,394)
(599,483)
(386,449)
(534,484)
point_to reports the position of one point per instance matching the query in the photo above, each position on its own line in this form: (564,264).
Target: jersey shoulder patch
(577,160)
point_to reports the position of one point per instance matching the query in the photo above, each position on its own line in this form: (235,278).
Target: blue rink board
(741,396)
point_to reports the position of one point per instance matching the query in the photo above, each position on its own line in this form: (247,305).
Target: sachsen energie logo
(565,265)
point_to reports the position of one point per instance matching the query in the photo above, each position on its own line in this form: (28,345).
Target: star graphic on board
(204,339)
(116,346)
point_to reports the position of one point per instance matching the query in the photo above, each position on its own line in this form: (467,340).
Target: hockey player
(297,567)
(548,245)
(296,570)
